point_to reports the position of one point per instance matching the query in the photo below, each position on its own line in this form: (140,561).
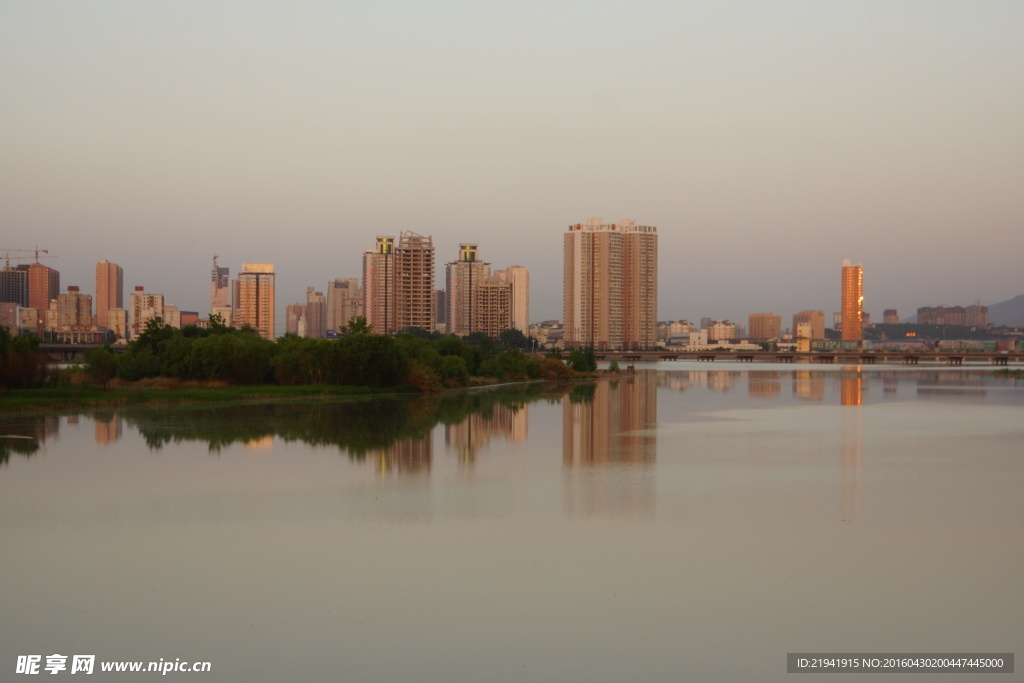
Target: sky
(767,142)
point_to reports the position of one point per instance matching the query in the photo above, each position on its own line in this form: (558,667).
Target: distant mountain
(1009,312)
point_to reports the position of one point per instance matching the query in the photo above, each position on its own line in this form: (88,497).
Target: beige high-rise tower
(379,285)
(519,278)
(463,279)
(852,300)
(414,281)
(255,294)
(398,283)
(610,285)
(109,291)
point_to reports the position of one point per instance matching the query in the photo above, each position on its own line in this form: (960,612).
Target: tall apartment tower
(519,278)
(255,295)
(74,308)
(414,281)
(379,285)
(14,286)
(344,302)
(143,308)
(610,290)
(43,285)
(492,307)
(463,279)
(295,319)
(316,314)
(109,291)
(219,286)
(398,283)
(852,300)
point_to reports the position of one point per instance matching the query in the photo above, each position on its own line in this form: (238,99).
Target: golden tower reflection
(851,387)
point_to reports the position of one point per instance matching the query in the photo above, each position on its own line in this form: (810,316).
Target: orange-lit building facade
(765,326)
(852,301)
(255,294)
(109,291)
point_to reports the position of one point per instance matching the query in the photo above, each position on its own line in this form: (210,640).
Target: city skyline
(957,314)
(766,142)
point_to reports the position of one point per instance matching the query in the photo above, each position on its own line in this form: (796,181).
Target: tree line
(420,360)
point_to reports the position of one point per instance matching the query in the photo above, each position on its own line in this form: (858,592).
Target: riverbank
(158,391)
(150,392)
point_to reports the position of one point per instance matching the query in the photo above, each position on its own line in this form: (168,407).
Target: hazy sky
(767,141)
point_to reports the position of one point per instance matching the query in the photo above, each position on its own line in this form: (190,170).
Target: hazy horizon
(767,143)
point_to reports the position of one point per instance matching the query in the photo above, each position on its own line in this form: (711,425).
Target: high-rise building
(890,316)
(765,326)
(43,285)
(640,285)
(255,291)
(398,283)
(414,281)
(295,319)
(74,309)
(441,310)
(816,320)
(14,285)
(852,301)
(379,285)
(519,278)
(143,308)
(219,286)
(462,280)
(610,294)
(344,302)
(109,290)
(492,307)
(316,314)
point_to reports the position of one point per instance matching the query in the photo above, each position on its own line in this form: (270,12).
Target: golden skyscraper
(853,300)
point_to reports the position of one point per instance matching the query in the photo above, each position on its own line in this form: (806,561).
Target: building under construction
(398,283)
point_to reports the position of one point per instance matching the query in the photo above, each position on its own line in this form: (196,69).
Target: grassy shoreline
(171,392)
(89,396)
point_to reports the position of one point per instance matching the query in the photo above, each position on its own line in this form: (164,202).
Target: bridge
(998,358)
(75,353)
(72,353)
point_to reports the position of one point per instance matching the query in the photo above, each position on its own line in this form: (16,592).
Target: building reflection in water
(809,385)
(851,387)
(764,384)
(475,432)
(107,430)
(609,447)
(404,458)
(851,392)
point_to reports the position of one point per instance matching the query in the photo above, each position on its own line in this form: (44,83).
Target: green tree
(358,325)
(583,360)
(101,364)
(22,363)
(514,339)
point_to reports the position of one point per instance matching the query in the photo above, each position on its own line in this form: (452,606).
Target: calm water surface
(684,524)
